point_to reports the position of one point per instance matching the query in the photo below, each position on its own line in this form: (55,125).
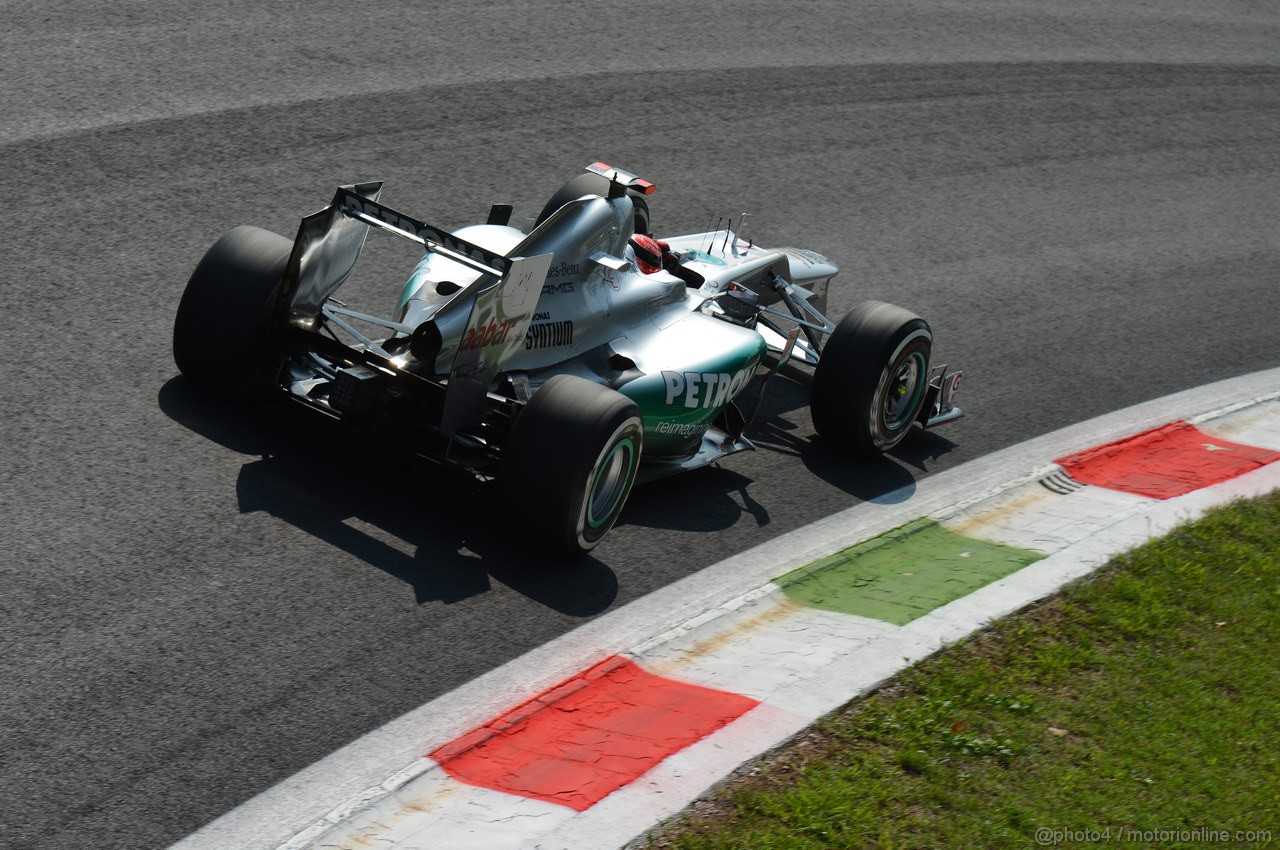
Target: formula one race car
(565,359)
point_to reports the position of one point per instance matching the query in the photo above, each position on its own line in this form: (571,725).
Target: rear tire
(872,378)
(569,464)
(222,334)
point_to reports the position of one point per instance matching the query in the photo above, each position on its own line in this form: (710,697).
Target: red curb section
(582,740)
(1165,462)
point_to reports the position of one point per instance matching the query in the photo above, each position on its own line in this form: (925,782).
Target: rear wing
(329,243)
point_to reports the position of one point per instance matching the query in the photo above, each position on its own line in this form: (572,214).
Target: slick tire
(222,334)
(569,464)
(872,378)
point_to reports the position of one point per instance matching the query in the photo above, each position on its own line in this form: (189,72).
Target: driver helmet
(649,253)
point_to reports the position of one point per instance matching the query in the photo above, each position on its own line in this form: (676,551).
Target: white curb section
(380,791)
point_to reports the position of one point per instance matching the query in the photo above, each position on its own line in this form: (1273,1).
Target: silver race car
(566,359)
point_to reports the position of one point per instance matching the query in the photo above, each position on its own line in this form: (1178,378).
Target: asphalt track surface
(197,602)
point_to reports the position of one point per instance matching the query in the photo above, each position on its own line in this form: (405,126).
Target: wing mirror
(748,297)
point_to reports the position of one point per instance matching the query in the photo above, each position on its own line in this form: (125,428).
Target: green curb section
(903,574)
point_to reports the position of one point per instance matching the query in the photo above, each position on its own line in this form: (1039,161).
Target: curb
(610,730)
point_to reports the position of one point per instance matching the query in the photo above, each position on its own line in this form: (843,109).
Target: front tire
(569,464)
(872,378)
(222,334)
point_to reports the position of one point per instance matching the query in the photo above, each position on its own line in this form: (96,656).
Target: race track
(197,602)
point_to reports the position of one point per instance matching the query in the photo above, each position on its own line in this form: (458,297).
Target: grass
(1146,698)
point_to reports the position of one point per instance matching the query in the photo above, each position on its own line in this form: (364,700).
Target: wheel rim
(609,485)
(903,392)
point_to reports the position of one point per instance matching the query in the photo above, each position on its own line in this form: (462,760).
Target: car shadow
(885,479)
(426,526)
(701,500)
